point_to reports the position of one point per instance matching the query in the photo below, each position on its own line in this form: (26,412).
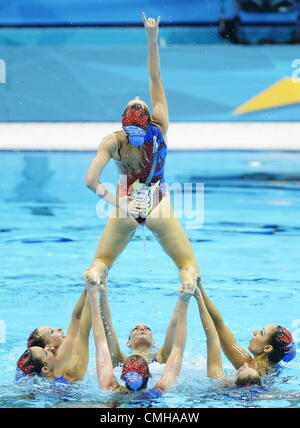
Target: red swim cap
(136,364)
(285,337)
(135,117)
(24,363)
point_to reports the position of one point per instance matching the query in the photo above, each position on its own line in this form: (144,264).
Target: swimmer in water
(64,359)
(139,152)
(140,340)
(135,371)
(54,336)
(269,346)
(245,375)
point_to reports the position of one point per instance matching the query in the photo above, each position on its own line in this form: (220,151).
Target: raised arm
(173,366)
(214,354)
(78,308)
(164,352)
(160,112)
(112,339)
(77,336)
(236,355)
(104,365)
(76,314)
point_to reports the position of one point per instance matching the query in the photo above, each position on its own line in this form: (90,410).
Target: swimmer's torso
(134,163)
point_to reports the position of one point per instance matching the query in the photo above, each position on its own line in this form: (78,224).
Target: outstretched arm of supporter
(173,366)
(111,336)
(214,353)
(104,365)
(164,352)
(236,355)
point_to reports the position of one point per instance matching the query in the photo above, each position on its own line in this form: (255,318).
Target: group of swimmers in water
(139,151)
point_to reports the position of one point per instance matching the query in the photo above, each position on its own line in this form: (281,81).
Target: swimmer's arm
(76,314)
(76,340)
(85,325)
(160,112)
(112,339)
(165,351)
(214,354)
(173,366)
(103,156)
(104,365)
(236,355)
(78,308)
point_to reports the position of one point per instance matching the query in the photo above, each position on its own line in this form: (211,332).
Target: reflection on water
(36,176)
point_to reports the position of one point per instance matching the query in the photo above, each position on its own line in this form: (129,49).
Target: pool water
(248,249)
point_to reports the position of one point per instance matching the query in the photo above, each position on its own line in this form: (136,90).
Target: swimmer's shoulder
(109,144)
(162,128)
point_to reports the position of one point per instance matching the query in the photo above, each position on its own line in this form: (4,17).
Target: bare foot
(96,274)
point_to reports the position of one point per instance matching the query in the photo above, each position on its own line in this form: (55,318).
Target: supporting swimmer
(135,371)
(269,345)
(70,359)
(245,375)
(140,340)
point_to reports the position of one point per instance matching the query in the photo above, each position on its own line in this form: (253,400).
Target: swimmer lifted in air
(139,151)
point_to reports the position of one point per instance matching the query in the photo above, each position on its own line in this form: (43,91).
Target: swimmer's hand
(91,287)
(103,286)
(132,207)
(95,275)
(186,291)
(151,26)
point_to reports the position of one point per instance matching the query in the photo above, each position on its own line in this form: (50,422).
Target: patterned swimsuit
(157,182)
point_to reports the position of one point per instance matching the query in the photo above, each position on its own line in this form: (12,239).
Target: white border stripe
(182,136)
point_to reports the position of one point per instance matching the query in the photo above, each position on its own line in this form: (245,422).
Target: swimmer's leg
(116,235)
(170,234)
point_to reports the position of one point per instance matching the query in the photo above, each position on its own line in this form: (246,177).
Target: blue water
(248,250)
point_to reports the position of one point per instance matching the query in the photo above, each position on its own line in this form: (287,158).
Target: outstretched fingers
(144,18)
(150,22)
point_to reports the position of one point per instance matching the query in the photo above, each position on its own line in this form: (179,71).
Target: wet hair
(29,365)
(138,364)
(136,115)
(248,381)
(281,341)
(35,339)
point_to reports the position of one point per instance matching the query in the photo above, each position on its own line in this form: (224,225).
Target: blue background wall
(90,74)
(106,11)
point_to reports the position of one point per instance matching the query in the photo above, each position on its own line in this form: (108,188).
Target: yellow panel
(282,93)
